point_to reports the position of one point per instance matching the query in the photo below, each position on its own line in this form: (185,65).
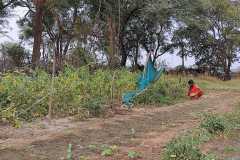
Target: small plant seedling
(133,133)
(109,151)
(69,152)
(92,147)
(133,155)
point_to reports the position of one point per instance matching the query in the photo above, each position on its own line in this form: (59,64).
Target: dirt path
(143,130)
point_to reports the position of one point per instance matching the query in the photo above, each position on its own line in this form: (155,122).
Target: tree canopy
(114,31)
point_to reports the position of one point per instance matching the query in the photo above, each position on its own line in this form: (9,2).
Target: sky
(13,36)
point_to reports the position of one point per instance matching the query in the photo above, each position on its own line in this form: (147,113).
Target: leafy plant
(165,91)
(75,92)
(92,147)
(108,151)
(133,155)
(183,148)
(69,152)
(214,124)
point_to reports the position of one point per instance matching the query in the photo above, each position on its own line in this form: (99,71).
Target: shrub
(133,155)
(214,124)
(183,148)
(187,148)
(108,151)
(165,91)
(26,98)
(76,92)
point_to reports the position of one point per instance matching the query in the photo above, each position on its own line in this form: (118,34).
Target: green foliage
(93,147)
(165,91)
(214,124)
(182,149)
(233,119)
(187,147)
(69,152)
(75,92)
(15,52)
(105,150)
(133,155)
(108,151)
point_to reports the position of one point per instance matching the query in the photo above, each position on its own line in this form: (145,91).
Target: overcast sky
(13,36)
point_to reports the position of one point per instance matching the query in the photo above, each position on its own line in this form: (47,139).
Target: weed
(92,147)
(133,155)
(183,148)
(75,92)
(108,151)
(214,124)
(69,152)
(165,91)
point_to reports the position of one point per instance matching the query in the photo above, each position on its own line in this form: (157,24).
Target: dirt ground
(145,130)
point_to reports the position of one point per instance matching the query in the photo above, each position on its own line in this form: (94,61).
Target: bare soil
(226,147)
(145,130)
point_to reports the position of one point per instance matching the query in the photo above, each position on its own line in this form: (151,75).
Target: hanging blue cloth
(146,78)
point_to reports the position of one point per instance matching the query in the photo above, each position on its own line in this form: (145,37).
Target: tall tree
(211,27)
(37,31)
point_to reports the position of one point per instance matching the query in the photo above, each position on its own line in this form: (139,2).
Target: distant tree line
(79,32)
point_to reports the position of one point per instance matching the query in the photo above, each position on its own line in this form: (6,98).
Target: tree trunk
(136,56)
(227,70)
(124,59)
(124,56)
(112,43)
(37,29)
(227,63)
(183,62)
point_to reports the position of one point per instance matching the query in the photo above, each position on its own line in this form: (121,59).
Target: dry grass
(212,83)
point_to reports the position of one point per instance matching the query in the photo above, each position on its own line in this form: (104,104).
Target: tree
(37,31)
(5,6)
(14,55)
(62,28)
(211,27)
(180,43)
(113,19)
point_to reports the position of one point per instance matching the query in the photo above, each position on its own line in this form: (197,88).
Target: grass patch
(214,124)
(168,90)
(231,149)
(134,155)
(77,92)
(211,83)
(187,147)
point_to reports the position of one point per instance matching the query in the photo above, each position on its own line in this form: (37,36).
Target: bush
(187,147)
(26,97)
(214,124)
(76,92)
(182,149)
(133,155)
(167,90)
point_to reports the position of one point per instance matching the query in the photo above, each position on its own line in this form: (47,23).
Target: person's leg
(200,94)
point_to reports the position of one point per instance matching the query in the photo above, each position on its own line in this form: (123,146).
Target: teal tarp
(149,75)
